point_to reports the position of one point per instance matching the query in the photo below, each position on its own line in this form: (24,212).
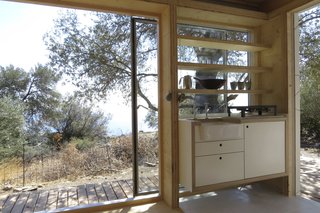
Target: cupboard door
(264,148)
(218,168)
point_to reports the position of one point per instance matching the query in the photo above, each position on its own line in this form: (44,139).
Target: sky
(22,27)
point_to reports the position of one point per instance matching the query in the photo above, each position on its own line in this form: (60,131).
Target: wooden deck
(43,200)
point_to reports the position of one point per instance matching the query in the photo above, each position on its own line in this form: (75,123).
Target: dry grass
(10,171)
(71,163)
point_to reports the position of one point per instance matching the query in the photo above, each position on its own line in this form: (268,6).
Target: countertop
(238,119)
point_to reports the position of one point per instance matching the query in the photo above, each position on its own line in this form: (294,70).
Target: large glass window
(195,54)
(78,107)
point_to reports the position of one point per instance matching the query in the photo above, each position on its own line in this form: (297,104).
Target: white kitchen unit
(264,148)
(210,153)
(229,151)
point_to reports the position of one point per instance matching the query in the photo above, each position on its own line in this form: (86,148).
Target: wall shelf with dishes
(217,68)
(209,43)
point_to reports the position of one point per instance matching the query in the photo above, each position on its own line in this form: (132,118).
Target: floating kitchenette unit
(221,152)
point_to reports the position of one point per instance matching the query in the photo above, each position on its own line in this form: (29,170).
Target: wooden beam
(284,6)
(168,108)
(293,127)
(139,7)
(219,9)
(214,18)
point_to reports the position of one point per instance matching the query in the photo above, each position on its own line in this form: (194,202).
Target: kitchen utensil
(240,85)
(211,83)
(233,85)
(186,82)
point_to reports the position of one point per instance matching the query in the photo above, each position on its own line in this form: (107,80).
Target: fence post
(4,174)
(23,166)
(42,167)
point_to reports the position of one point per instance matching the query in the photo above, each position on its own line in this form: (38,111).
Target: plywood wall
(273,33)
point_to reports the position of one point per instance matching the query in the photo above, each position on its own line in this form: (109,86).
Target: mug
(233,85)
(240,85)
(186,82)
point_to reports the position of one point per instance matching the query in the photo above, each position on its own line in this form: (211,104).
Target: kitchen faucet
(195,109)
(206,109)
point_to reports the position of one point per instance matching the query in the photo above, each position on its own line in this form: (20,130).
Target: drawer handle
(220,158)
(220,144)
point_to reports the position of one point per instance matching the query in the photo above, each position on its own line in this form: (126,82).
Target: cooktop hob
(254,109)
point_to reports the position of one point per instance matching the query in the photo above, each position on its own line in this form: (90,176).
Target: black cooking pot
(211,83)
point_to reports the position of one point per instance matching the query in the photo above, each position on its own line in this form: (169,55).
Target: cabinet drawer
(218,132)
(219,147)
(219,168)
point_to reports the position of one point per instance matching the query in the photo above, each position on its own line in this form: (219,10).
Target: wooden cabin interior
(272,48)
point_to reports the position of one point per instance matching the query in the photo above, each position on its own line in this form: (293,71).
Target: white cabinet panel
(219,147)
(213,153)
(264,148)
(219,168)
(218,132)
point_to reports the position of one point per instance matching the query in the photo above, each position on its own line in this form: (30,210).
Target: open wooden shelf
(223,91)
(219,44)
(221,68)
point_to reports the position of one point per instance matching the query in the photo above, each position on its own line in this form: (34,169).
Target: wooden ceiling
(257,5)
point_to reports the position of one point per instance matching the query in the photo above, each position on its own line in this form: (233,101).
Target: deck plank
(130,182)
(149,184)
(155,181)
(109,191)
(2,202)
(72,197)
(31,202)
(62,200)
(52,199)
(10,202)
(102,197)
(126,188)
(82,195)
(144,187)
(92,195)
(118,190)
(42,201)
(21,202)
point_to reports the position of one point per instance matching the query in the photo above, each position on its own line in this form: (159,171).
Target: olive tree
(94,52)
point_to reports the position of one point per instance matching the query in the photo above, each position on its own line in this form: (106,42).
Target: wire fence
(71,163)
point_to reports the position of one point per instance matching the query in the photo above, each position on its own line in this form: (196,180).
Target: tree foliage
(309,35)
(74,118)
(11,127)
(97,55)
(31,110)
(36,89)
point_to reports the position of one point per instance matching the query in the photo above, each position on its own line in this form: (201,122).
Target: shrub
(82,144)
